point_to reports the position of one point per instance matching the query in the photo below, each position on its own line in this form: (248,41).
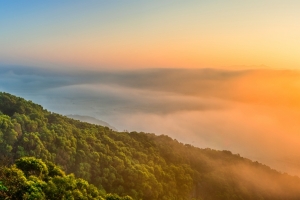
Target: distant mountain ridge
(91,120)
(141,165)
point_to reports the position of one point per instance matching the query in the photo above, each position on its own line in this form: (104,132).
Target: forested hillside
(141,165)
(31,178)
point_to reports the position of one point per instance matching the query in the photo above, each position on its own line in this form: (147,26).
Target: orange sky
(188,34)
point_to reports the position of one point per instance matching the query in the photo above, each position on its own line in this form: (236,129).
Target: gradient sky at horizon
(146,34)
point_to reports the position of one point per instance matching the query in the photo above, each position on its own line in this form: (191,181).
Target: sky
(214,74)
(135,34)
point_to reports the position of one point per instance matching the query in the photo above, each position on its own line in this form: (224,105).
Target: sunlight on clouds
(251,112)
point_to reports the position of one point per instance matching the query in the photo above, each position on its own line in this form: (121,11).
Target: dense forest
(45,155)
(30,178)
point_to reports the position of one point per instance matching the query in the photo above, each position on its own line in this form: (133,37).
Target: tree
(32,166)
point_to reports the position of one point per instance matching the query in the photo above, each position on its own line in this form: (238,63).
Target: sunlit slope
(31,178)
(144,166)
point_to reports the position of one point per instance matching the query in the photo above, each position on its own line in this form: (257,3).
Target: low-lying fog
(251,112)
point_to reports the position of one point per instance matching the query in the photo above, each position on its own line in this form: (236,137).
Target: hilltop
(141,165)
(92,120)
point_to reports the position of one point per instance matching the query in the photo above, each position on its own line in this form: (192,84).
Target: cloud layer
(251,112)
